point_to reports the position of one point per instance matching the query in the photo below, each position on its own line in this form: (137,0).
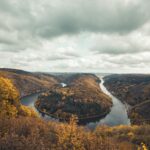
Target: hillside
(27,82)
(134,90)
(140,113)
(27,133)
(82,97)
(21,129)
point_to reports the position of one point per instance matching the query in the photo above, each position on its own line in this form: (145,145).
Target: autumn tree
(9,98)
(10,103)
(69,136)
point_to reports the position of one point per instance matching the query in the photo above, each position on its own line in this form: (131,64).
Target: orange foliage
(9,101)
(9,98)
(21,130)
(28,133)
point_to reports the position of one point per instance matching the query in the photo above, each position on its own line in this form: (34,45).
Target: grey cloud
(49,19)
(128,60)
(121,44)
(33,20)
(93,16)
(56,58)
(63,56)
(71,54)
(104,34)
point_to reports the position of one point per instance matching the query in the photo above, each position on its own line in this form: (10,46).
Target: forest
(21,129)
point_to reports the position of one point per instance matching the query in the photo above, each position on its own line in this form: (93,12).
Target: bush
(28,133)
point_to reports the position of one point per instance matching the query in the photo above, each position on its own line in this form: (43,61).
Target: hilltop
(82,97)
(29,82)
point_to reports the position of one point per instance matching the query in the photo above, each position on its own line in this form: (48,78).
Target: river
(117,116)
(30,100)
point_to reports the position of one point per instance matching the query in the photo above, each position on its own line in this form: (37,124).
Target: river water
(117,116)
(30,100)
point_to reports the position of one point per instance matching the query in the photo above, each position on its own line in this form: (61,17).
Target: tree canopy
(9,98)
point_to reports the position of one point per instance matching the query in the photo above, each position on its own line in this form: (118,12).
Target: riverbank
(81,97)
(133,90)
(82,120)
(116,116)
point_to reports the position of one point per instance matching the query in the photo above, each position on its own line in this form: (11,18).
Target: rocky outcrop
(82,97)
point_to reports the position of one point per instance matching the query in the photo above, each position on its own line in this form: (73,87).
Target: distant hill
(29,82)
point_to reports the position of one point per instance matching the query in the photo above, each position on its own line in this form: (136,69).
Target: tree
(69,136)
(9,98)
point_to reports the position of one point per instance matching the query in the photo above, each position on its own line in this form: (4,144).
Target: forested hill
(21,129)
(82,97)
(133,89)
(29,82)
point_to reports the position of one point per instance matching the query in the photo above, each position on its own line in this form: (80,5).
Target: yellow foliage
(130,134)
(9,101)
(7,90)
(69,136)
(28,133)
(9,98)
(142,147)
(26,111)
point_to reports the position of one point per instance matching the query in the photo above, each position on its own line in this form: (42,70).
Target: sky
(111,36)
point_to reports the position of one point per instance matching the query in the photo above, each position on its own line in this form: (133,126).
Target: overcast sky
(75,35)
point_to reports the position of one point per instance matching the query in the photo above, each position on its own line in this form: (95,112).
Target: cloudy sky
(75,35)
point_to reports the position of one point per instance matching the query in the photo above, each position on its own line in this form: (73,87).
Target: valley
(73,105)
(81,97)
(134,90)
(63,95)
